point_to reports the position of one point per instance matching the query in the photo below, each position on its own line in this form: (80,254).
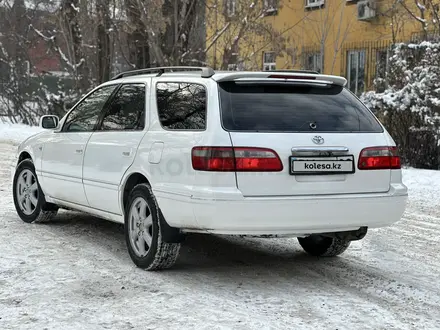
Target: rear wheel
(29,199)
(322,246)
(143,233)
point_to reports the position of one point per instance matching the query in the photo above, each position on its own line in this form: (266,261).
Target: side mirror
(49,122)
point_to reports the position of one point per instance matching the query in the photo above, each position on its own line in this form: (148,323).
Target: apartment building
(343,37)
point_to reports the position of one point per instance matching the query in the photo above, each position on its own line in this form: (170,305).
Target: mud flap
(170,234)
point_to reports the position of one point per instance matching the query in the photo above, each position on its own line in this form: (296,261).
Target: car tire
(323,246)
(29,199)
(143,233)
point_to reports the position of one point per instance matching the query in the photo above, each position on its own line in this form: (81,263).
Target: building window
(313,62)
(231,7)
(239,66)
(236,63)
(356,71)
(233,63)
(269,61)
(270,7)
(314,3)
(234,59)
(382,66)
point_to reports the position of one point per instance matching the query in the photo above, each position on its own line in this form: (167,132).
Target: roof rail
(207,72)
(295,71)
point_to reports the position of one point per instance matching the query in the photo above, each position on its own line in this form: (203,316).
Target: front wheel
(29,199)
(323,246)
(143,232)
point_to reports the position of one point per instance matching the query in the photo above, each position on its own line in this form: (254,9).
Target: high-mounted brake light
(238,159)
(379,158)
(279,76)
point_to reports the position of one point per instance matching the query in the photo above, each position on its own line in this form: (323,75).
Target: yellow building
(343,37)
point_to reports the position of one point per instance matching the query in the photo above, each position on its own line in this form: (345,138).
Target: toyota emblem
(318,139)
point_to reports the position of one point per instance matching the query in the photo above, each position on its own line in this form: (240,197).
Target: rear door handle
(79,151)
(126,153)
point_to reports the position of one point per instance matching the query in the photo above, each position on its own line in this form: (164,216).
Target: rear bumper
(294,215)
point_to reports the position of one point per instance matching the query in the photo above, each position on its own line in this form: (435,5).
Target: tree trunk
(19,64)
(103,40)
(139,50)
(70,9)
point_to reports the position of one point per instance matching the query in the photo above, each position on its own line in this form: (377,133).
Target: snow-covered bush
(410,105)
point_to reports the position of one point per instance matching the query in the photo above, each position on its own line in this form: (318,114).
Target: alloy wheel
(27,192)
(140,227)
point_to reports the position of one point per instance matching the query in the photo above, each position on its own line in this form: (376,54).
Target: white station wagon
(179,150)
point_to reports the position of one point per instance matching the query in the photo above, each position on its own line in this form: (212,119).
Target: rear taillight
(239,159)
(213,159)
(379,158)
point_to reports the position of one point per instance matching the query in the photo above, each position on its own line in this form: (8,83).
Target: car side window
(127,109)
(181,106)
(85,115)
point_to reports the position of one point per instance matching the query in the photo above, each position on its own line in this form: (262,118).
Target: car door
(63,153)
(112,147)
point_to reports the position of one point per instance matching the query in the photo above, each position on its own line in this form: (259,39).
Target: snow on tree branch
(217,36)
(414,84)
(38,32)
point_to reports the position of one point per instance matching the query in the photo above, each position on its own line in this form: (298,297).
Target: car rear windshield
(286,107)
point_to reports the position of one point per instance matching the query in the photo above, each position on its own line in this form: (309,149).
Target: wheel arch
(46,210)
(129,183)
(169,234)
(24,155)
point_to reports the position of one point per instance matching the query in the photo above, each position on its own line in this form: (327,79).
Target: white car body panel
(284,184)
(275,203)
(299,216)
(99,213)
(62,166)
(33,146)
(107,157)
(170,174)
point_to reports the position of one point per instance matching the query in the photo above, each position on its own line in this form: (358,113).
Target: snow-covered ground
(75,273)
(15,133)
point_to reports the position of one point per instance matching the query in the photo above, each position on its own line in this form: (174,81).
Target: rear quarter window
(181,106)
(288,107)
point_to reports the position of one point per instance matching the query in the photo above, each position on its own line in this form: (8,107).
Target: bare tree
(424,12)
(239,31)
(184,33)
(91,39)
(165,32)
(138,34)
(393,18)
(103,40)
(70,16)
(15,61)
(331,20)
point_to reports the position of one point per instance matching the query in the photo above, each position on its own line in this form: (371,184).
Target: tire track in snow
(6,155)
(75,273)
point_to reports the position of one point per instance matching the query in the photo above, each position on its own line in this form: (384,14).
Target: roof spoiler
(283,76)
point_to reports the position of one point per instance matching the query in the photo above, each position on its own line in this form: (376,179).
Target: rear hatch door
(317,130)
